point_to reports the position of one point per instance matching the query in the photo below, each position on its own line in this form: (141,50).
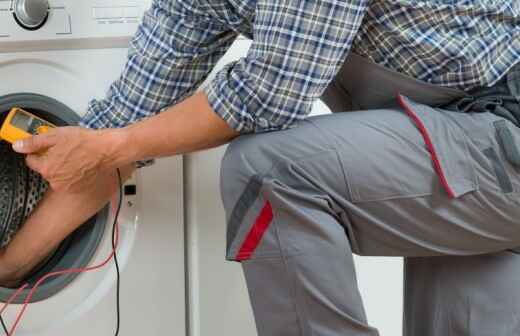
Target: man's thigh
(421,184)
(427,186)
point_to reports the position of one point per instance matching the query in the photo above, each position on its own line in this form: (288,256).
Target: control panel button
(57,3)
(132,12)
(59,22)
(108,12)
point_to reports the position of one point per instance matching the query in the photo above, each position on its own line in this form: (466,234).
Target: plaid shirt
(298,47)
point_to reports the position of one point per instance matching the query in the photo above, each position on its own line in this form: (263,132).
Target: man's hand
(71,159)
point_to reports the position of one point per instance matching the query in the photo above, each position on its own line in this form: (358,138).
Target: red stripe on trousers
(256,232)
(429,146)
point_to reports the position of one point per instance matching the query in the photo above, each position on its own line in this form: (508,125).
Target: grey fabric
(361,182)
(239,212)
(503,100)
(500,171)
(462,296)
(506,138)
(452,296)
(368,85)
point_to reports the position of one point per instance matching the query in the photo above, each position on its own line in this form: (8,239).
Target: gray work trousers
(451,295)
(393,177)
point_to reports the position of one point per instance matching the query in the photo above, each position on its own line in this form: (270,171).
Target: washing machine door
(55,91)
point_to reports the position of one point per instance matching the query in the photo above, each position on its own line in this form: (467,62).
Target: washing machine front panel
(72,77)
(151,256)
(72,84)
(74,68)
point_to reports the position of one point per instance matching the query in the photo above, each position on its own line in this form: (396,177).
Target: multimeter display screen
(27,123)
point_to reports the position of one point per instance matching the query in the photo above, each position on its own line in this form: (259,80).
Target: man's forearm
(86,159)
(186,127)
(57,215)
(45,229)
(189,126)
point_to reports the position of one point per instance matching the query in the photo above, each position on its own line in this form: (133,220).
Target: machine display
(21,124)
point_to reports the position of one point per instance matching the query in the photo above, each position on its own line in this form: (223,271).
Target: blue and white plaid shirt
(298,47)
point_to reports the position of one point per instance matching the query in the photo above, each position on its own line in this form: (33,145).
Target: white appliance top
(71,24)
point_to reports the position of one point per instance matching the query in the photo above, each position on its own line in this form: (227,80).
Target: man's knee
(245,158)
(244,165)
(275,155)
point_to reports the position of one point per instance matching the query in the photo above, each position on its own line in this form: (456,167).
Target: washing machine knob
(31,14)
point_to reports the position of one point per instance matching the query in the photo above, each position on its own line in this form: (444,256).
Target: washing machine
(55,56)
(218,298)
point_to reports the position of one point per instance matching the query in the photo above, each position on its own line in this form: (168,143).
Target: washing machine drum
(20,191)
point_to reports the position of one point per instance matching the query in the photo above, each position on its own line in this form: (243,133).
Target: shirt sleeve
(172,53)
(298,48)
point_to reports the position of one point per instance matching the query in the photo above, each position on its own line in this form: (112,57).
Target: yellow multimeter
(20,124)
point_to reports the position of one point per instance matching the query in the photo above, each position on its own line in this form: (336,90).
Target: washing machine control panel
(67,24)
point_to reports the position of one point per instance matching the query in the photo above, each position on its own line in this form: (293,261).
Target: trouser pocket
(392,154)
(494,146)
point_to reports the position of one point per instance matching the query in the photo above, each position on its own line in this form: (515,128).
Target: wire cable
(3,325)
(116,262)
(113,255)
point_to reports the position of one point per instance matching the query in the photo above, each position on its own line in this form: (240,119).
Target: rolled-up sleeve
(298,48)
(174,50)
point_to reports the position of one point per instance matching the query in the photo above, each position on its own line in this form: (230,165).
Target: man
(404,179)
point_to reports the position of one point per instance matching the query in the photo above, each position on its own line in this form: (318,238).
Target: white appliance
(218,299)
(70,52)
